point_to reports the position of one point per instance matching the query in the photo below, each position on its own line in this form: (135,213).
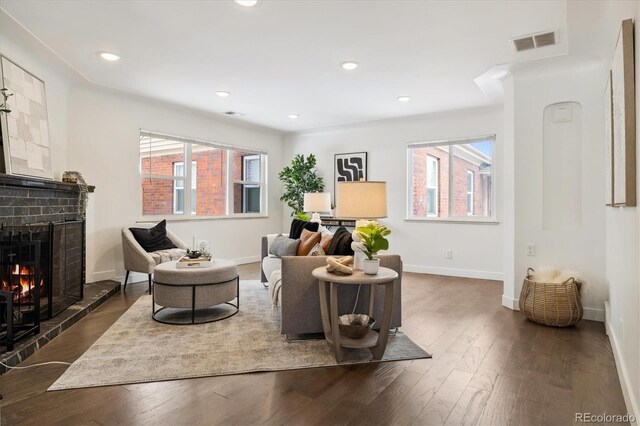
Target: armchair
(137,259)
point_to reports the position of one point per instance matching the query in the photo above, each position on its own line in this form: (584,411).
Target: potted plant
(372,236)
(297,179)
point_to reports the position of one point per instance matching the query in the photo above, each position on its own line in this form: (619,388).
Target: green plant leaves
(299,178)
(373,238)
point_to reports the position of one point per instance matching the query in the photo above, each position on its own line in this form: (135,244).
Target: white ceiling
(283,57)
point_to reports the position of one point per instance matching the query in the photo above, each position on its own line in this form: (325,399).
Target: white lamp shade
(361,200)
(317,202)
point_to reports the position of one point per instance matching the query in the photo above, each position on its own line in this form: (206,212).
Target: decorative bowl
(355,326)
(194,254)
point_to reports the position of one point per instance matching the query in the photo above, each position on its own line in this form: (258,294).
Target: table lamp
(363,200)
(315,202)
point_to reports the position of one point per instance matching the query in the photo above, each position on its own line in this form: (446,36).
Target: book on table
(186,262)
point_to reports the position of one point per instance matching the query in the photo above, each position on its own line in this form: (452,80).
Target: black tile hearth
(95,294)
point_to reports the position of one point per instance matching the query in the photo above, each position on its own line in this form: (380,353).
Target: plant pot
(370,267)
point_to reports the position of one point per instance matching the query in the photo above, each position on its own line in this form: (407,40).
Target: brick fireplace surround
(25,200)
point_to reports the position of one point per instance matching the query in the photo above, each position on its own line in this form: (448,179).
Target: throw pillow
(308,239)
(298,225)
(152,239)
(325,242)
(283,246)
(317,251)
(341,244)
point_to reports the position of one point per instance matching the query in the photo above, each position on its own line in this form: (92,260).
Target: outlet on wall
(449,254)
(531,249)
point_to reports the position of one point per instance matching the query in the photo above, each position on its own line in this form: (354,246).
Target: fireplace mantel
(29,182)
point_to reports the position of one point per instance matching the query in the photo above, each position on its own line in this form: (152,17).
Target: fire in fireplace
(41,274)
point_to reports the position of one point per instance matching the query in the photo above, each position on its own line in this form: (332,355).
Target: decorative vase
(370,267)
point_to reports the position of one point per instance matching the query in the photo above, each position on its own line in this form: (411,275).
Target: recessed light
(294,115)
(247,3)
(404,98)
(222,93)
(349,65)
(111,57)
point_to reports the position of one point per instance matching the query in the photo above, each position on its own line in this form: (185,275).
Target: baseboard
(592,314)
(452,272)
(623,374)
(135,277)
(101,276)
(245,260)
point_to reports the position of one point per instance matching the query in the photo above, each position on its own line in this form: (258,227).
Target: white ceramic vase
(370,267)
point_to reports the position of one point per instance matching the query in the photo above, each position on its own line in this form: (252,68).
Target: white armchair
(137,259)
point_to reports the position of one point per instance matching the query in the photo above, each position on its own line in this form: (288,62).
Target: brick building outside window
(452,179)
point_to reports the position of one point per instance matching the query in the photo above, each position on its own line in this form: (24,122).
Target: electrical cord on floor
(34,365)
(357,296)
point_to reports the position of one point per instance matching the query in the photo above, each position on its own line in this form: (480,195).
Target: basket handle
(530,272)
(577,283)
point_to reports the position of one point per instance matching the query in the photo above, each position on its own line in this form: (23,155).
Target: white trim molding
(591,314)
(623,373)
(453,272)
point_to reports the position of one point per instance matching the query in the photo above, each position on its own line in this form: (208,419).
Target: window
(208,186)
(470,176)
(178,187)
(432,185)
(451,179)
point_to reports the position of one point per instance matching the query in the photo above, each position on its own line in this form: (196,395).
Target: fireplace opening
(41,274)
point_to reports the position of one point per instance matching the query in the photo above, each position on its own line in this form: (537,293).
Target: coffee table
(329,282)
(195,288)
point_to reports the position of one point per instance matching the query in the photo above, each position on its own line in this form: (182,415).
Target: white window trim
(185,217)
(434,161)
(472,220)
(470,205)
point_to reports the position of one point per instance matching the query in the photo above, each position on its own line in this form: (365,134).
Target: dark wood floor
(489,367)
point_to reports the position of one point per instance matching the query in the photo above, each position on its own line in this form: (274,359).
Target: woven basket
(554,304)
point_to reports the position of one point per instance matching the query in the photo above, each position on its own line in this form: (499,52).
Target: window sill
(461,220)
(147,219)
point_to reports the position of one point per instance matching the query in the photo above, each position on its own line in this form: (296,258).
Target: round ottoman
(194,288)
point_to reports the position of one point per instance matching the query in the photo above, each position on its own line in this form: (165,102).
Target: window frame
(470,195)
(433,160)
(488,219)
(187,215)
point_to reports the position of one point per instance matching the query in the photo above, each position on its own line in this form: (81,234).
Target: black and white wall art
(349,167)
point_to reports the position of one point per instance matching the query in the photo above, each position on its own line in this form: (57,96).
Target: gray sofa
(300,299)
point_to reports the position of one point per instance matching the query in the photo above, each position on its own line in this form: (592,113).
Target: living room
(383,82)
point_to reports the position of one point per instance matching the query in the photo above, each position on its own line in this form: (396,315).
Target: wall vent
(234,114)
(534,41)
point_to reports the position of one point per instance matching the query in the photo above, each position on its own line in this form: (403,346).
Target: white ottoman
(195,288)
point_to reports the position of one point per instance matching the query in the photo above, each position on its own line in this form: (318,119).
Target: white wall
(104,146)
(581,249)
(623,248)
(22,48)
(477,248)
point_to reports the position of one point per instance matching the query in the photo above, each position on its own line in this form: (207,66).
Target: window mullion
(451,176)
(186,208)
(229,174)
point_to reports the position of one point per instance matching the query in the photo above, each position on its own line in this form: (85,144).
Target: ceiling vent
(234,114)
(534,41)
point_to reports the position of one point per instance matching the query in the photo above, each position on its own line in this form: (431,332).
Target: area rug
(136,349)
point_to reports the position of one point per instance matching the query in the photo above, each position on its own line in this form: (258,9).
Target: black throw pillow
(152,239)
(341,244)
(298,225)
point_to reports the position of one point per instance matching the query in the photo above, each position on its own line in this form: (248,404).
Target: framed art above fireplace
(24,124)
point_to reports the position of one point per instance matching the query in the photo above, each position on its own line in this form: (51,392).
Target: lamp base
(315,217)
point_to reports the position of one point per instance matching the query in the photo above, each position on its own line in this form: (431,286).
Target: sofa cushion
(325,242)
(283,246)
(270,264)
(317,250)
(308,239)
(298,225)
(153,239)
(161,256)
(341,244)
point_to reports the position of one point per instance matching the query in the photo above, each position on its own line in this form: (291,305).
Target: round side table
(328,284)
